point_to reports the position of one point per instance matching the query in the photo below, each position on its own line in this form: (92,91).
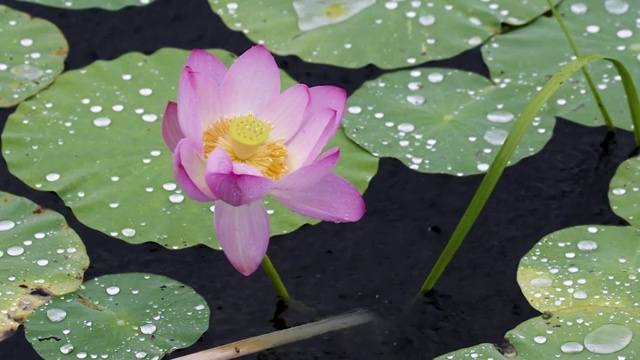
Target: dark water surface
(378,263)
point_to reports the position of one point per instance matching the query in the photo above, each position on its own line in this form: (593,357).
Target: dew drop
(56,315)
(616,7)
(580,295)
(619,191)
(148,329)
(27,72)
(500,116)
(427,20)
(624,34)
(128,232)
(199,307)
(579,8)
(15,251)
(474,41)
(66,349)
(169,186)
(176,198)
(102,122)
(588,245)
(355,109)
(593,29)
(406,127)
(141,355)
(571,347)
(483,167)
(415,99)
(149,117)
(113,290)
(540,339)
(52,177)
(82,355)
(415,85)
(145,92)
(42,262)
(495,136)
(608,339)
(541,282)
(435,77)
(96,108)
(26,42)
(6,225)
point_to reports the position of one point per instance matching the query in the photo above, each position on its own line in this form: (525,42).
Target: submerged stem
(276,281)
(594,90)
(508,148)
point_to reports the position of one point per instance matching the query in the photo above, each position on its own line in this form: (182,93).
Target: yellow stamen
(248,133)
(245,140)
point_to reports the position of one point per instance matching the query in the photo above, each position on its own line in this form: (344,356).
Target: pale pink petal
(309,175)
(331,198)
(251,84)
(286,112)
(202,61)
(198,104)
(170,126)
(328,96)
(307,144)
(234,183)
(189,170)
(243,232)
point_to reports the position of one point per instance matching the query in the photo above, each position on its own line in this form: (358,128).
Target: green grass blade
(508,148)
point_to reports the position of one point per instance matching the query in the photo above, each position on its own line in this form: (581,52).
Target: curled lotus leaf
(398,33)
(40,258)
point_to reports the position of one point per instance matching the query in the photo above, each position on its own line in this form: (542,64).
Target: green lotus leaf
(31,56)
(398,33)
(529,55)
(86,4)
(122,316)
(94,137)
(591,265)
(441,120)
(40,257)
(581,333)
(624,191)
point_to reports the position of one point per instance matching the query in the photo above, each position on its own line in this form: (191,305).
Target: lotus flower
(235,138)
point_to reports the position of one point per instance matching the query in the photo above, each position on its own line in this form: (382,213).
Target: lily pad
(398,33)
(31,57)
(134,316)
(582,333)
(40,257)
(591,265)
(606,27)
(87,4)
(94,137)
(624,191)
(441,120)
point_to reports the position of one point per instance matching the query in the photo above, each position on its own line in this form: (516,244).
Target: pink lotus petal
(286,112)
(251,84)
(243,232)
(171,127)
(309,175)
(331,198)
(202,61)
(189,169)
(198,104)
(329,96)
(307,144)
(234,183)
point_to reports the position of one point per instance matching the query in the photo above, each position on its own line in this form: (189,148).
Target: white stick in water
(282,337)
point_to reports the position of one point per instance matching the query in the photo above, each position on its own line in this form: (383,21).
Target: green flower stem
(585,72)
(276,281)
(508,148)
